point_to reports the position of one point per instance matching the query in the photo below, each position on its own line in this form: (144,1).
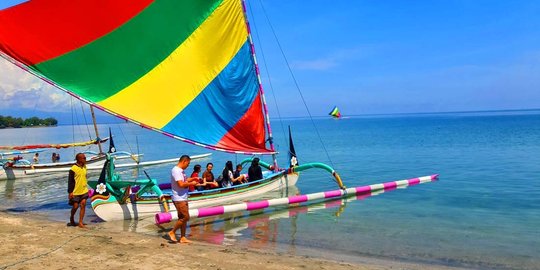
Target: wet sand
(31,241)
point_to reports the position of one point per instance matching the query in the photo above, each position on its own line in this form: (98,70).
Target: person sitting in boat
(36,158)
(254,171)
(228,178)
(208,177)
(53,158)
(238,175)
(195,174)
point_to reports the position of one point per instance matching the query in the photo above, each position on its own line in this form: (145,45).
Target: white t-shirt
(178,193)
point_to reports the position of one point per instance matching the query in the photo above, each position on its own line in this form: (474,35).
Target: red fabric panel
(248,131)
(39,30)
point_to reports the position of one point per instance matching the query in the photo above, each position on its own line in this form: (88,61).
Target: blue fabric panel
(221,104)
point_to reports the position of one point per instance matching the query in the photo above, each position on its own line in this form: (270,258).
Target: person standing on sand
(180,186)
(77,189)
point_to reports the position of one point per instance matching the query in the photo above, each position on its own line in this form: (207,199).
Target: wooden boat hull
(93,165)
(108,208)
(22,171)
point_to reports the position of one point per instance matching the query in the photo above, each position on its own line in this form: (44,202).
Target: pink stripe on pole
(434,177)
(211,211)
(414,181)
(364,189)
(390,185)
(332,194)
(298,199)
(256,205)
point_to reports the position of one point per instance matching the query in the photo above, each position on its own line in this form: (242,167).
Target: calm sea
(483,213)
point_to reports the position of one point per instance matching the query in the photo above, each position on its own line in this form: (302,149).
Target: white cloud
(21,90)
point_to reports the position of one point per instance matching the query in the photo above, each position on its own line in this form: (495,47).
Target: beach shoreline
(31,241)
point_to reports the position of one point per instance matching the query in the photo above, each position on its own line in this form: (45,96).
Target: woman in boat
(195,174)
(208,177)
(254,171)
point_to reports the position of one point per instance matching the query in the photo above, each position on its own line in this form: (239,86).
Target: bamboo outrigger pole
(165,217)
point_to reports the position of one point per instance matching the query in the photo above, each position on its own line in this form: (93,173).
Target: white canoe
(107,207)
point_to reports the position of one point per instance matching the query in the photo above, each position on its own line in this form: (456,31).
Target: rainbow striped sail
(184,68)
(335,113)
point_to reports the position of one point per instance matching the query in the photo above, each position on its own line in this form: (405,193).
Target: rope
(296,83)
(72,123)
(267,73)
(85,121)
(129,146)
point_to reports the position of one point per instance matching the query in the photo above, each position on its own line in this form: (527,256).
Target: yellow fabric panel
(165,91)
(80,180)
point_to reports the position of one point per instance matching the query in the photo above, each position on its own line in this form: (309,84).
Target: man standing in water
(180,186)
(77,189)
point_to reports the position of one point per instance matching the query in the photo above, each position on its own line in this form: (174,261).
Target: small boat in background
(335,113)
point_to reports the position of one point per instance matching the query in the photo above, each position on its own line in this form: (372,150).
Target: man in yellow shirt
(77,189)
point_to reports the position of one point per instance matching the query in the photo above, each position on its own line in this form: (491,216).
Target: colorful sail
(180,67)
(335,112)
(57,146)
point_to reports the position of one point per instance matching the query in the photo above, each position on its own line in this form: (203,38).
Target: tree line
(18,122)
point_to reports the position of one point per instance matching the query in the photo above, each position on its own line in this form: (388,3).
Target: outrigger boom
(165,217)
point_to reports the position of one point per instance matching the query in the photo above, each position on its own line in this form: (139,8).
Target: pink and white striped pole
(250,206)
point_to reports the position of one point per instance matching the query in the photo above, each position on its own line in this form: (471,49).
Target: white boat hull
(12,173)
(22,171)
(109,209)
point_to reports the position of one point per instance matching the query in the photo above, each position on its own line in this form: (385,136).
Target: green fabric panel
(109,64)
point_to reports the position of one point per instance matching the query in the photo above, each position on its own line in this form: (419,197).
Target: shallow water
(483,213)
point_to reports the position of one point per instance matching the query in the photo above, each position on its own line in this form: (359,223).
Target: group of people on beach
(181,185)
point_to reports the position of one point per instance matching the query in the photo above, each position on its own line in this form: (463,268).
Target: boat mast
(265,107)
(96,129)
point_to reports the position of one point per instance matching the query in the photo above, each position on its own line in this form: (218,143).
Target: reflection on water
(254,229)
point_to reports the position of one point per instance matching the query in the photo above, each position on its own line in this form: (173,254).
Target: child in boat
(241,178)
(208,177)
(36,158)
(228,176)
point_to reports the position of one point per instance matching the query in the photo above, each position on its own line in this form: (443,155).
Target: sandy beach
(31,241)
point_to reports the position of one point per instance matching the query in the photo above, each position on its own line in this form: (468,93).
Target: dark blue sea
(483,213)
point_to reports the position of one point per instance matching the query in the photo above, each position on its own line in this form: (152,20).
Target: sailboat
(335,113)
(174,67)
(17,167)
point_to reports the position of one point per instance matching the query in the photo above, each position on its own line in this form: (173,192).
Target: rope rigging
(294,80)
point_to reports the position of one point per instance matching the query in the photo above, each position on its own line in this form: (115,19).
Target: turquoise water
(483,213)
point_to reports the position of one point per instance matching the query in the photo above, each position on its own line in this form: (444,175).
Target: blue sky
(375,57)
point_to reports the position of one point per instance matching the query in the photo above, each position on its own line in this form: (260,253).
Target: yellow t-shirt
(80,180)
